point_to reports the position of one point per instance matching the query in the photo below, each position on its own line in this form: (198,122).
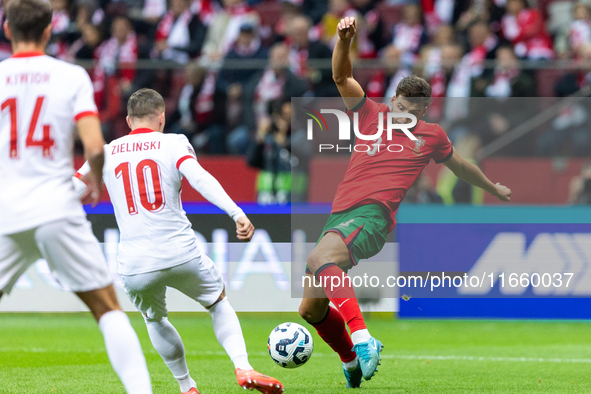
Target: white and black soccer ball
(290,345)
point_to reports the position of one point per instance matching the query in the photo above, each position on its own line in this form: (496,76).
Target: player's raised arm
(210,188)
(470,173)
(342,68)
(91,136)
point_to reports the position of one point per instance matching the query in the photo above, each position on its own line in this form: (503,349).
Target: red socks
(333,331)
(339,290)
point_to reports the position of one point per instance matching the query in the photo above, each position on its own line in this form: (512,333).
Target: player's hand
(503,193)
(94,189)
(347,28)
(244,229)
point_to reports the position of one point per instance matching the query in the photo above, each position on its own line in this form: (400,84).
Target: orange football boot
(254,380)
(192,391)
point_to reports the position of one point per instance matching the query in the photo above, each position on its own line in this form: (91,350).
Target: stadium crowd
(228,68)
(243,58)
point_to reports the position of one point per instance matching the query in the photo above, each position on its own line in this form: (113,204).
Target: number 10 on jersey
(123,171)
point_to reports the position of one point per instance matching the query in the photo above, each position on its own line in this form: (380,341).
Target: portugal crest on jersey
(418,145)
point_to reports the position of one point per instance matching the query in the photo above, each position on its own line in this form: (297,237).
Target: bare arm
(342,69)
(89,129)
(470,173)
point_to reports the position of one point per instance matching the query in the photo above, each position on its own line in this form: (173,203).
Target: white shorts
(72,252)
(198,279)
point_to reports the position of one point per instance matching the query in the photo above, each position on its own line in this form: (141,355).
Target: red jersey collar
(142,131)
(28,54)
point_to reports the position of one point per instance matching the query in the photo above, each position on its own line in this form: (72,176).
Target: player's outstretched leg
(323,262)
(169,345)
(147,291)
(123,347)
(229,334)
(330,326)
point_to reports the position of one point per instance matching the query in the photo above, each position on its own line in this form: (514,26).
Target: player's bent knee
(315,260)
(154,319)
(311,313)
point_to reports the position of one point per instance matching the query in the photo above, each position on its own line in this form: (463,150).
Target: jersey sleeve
(182,150)
(79,185)
(444,150)
(367,111)
(84,104)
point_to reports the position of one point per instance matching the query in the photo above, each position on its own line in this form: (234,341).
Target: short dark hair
(145,102)
(416,88)
(28,19)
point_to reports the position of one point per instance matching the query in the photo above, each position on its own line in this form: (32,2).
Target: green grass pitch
(53,353)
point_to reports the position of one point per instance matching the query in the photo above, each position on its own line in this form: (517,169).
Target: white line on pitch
(317,354)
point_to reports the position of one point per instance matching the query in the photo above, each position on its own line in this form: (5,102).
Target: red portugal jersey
(383,176)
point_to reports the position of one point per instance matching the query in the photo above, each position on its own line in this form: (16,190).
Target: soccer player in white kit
(158,248)
(40,215)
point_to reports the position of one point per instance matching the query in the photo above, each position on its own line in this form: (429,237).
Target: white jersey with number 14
(40,99)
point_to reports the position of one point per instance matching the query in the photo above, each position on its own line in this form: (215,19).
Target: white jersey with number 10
(142,174)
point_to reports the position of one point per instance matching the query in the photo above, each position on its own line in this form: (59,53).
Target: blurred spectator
(248,46)
(384,83)
(568,133)
(116,68)
(337,9)
(5,48)
(313,9)
(89,12)
(437,13)
(507,80)
(580,28)
(471,66)
(270,151)
(60,21)
(194,115)
(431,53)
(474,11)
(153,10)
(289,10)
(85,47)
(276,82)
(224,29)
(371,33)
(439,75)
(409,34)
(525,28)
(302,50)
(369,38)
(180,34)
(580,186)
(423,192)
(237,84)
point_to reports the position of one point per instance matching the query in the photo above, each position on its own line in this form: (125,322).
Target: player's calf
(121,342)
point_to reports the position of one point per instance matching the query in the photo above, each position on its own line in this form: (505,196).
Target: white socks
(351,365)
(360,336)
(168,344)
(125,352)
(229,333)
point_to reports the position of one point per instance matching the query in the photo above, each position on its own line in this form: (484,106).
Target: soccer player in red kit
(363,211)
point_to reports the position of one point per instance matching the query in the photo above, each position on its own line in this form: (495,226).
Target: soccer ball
(290,345)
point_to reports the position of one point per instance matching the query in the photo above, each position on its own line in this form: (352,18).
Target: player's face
(401,104)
